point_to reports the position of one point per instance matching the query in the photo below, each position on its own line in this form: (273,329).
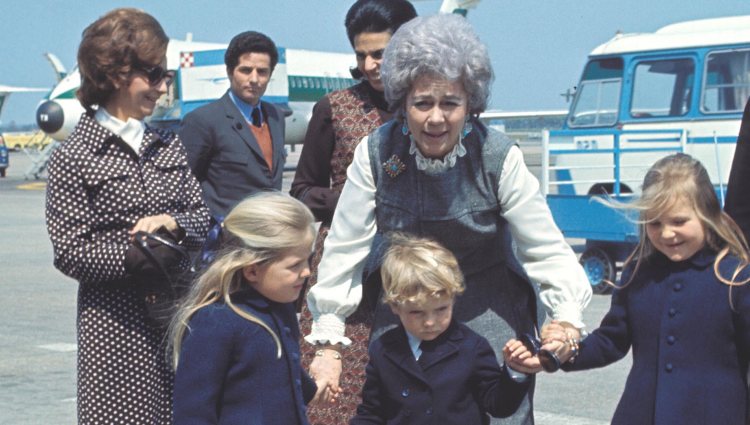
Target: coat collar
(99,139)
(397,350)
(253,298)
(700,260)
(240,125)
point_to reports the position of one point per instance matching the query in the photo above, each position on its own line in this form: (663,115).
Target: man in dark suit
(235,145)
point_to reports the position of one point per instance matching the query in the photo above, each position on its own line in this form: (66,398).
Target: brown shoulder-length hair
(111,47)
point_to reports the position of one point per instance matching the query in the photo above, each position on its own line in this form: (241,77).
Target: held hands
(558,338)
(326,369)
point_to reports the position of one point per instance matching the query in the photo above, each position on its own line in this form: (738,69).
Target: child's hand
(326,394)
(519,358)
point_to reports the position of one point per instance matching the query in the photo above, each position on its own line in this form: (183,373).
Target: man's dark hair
(250,42)
(377,16)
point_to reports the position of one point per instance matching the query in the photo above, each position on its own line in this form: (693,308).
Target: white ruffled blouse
(540,247)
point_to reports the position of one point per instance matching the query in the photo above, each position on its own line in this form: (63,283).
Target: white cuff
(569,312)
(328,329)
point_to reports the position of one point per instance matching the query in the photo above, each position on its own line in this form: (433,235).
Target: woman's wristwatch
(334,348)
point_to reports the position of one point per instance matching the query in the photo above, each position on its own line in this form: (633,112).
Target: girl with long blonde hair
(683,306)
(234,341)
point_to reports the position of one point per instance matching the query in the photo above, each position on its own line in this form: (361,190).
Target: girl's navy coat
(690,349)
(459,382)
(228,371)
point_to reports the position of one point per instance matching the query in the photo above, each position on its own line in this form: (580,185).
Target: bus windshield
(598,94)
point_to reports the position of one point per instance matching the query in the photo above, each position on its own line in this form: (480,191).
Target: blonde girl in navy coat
(235,339)
(431,369)
(683,305)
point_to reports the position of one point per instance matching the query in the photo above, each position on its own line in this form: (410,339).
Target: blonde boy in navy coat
(431,369)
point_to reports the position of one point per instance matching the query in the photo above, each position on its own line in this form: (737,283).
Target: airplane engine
(58,117)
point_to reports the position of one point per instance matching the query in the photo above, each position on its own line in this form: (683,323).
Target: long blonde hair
(680,177)
(258,230)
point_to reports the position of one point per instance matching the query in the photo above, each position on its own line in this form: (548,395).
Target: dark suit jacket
(229,373)
(737,203)
(690,346)
(224,155)
(458,383)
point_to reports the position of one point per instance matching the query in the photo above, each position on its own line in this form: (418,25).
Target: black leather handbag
(161,282)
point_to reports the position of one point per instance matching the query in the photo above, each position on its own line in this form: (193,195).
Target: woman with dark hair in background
(113,177)
(339,121)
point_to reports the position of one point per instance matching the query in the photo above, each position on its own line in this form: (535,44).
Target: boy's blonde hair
(682,178)
(258,230)
(415,269)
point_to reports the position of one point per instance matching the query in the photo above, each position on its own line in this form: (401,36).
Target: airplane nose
(50,116)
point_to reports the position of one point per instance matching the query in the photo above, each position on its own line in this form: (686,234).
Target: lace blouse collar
(436,165)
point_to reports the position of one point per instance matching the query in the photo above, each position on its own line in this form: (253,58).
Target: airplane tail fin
(57,65)
(460,7)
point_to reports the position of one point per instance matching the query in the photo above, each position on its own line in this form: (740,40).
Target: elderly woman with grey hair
(437,171)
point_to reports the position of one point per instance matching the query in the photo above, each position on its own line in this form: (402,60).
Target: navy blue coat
(228,371)
(225,156)
(460,383)
(690,348)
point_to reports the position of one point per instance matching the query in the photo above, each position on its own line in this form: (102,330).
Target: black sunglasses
(156,74)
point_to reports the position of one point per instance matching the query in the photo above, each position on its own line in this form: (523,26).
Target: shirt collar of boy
(414,344)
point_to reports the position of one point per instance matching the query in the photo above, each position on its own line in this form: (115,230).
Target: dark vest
(458,207)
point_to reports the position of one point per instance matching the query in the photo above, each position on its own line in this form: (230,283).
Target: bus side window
(662,88)
(727,81)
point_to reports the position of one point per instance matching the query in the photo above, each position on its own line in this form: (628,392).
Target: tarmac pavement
(38,332)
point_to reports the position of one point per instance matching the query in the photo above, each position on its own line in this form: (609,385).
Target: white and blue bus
(643,96)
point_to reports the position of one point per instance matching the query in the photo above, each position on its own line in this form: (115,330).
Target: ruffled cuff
(569,312)
(328,329)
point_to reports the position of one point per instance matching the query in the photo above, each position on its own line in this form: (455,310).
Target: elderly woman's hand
(326,369)
(561,338)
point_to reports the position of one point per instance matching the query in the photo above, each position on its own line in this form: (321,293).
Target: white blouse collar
(131,131)
(435,165)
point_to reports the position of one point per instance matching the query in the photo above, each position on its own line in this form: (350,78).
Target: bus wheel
(599,266)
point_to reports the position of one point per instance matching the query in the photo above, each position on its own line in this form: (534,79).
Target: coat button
(295,356)
(670,339)
(287,330)
(672,312)
(677,287)
(428,411)
(405,392)
(668,367)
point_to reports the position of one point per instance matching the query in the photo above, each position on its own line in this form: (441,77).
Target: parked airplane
(301,78)
(5,92)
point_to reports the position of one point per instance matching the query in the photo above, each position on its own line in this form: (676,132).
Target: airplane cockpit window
(598,94)
(662,88)
(726,85)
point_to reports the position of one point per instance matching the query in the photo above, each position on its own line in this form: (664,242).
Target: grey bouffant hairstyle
(443,45)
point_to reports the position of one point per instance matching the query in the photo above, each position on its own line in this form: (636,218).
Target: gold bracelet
(321,353)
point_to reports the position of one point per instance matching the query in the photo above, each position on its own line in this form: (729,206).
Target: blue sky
(538,47)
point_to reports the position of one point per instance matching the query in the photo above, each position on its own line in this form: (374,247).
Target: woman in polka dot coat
(112,177)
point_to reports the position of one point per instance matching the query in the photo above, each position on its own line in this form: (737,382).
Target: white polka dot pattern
(97,189)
